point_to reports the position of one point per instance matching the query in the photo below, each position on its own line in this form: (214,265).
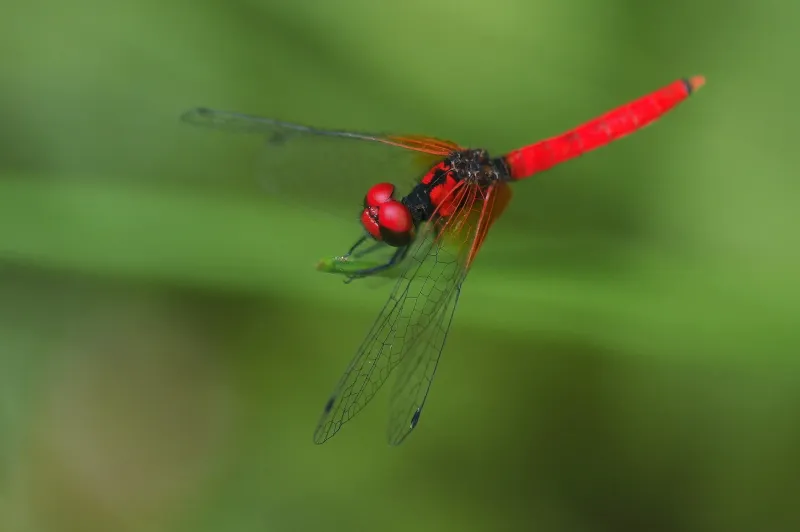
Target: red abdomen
(615,124)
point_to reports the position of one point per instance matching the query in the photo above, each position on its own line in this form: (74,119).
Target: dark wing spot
(415,418)
(329,404)
(277,138)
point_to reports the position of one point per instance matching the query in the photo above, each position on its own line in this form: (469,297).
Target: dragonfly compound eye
(395,223)
(369,219)
(391,222)
(378,194)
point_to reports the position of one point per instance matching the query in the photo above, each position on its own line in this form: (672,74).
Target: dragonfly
(427,238)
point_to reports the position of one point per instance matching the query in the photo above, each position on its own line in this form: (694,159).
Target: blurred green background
(624,356)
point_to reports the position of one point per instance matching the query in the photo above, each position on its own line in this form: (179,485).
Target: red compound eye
(369,219)
(391,222)
(378,194)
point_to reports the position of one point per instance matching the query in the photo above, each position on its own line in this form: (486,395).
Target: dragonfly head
(385,218)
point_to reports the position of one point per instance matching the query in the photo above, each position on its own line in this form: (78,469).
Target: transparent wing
(417,308)
(415,376)
(325,169)
(384,345)
(417,370)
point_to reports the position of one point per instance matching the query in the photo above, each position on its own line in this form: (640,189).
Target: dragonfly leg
(355,246)
(370,249)
(397,257)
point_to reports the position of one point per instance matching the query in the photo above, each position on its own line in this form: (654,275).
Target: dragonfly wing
(415,376)
(276,131)
(325,169)
(382,349)
(412,327)
(417,370)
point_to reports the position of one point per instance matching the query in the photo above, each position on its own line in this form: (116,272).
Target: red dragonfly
(433,234)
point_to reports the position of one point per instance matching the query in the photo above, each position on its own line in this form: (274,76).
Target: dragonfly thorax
(437,194)
(476,168)
(394,221)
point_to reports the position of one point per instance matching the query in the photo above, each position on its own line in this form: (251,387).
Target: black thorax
(473,166)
